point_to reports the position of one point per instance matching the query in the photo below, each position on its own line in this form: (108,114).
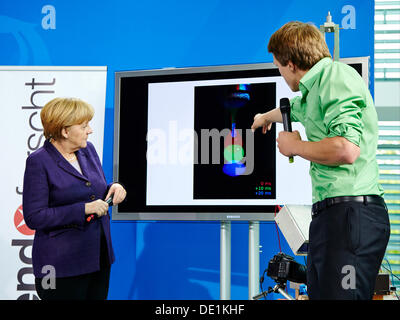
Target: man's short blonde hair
(298,42)
(60,113)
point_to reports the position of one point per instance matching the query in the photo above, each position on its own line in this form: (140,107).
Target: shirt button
(88,184)
(92,197)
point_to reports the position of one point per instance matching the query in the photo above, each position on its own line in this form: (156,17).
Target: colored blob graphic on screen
(233,143)
(234,160)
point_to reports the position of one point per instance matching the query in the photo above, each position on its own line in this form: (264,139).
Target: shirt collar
(309,78)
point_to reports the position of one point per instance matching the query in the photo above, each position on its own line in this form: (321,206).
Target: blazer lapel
(83,162)
(63,164)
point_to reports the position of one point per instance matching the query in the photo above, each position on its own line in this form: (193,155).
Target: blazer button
(88,184)
(92,197)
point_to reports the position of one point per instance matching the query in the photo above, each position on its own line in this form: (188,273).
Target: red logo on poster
(19,223)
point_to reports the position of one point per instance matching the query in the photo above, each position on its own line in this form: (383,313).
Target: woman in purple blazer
(64,202)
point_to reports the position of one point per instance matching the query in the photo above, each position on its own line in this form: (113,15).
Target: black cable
(261,282)
(390,271)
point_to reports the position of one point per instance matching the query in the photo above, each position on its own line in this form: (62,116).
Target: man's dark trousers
(347,242)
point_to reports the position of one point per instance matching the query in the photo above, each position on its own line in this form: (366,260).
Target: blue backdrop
(170,260)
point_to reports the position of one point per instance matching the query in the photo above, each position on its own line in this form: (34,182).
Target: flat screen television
(184,150)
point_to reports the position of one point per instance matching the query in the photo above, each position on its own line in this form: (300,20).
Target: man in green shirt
(350,228)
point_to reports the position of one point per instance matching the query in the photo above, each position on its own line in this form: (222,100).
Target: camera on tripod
(294,222)
(282,268)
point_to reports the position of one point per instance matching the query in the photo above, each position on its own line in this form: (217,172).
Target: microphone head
(284,105)
(284,102)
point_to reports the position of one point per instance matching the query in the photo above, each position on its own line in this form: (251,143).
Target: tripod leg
(280,289)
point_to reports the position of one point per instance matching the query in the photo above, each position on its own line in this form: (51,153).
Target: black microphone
(284,105)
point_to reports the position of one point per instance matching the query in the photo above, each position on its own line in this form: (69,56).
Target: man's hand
(265,120)
(260,120)
(287,142)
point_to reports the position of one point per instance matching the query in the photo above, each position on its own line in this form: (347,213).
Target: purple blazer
(54,197)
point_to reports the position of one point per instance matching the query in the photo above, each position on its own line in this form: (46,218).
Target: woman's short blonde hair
(60,113)
(298,42)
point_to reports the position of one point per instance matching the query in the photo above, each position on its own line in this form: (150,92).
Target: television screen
(184,149)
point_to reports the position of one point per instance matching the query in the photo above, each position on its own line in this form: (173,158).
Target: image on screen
(228,165)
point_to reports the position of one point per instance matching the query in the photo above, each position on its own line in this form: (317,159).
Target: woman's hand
(98,207)
(118,192)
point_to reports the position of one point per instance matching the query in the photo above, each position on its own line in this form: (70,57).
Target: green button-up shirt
(335,101)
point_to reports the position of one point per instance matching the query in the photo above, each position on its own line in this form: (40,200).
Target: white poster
(23,92)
